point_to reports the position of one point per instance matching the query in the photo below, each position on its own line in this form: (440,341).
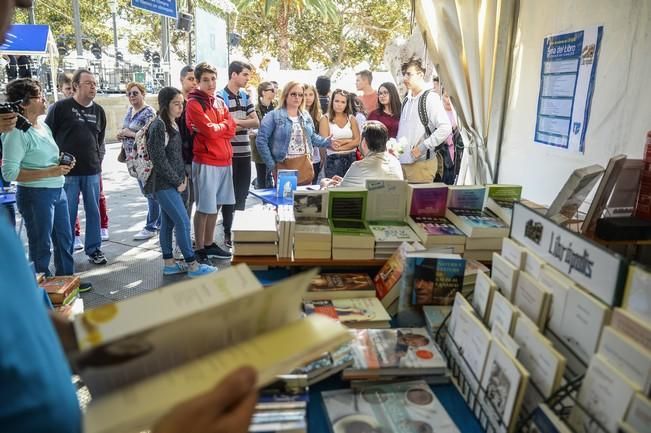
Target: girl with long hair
(266,104)
(340,123)
(313,107)
(388,111)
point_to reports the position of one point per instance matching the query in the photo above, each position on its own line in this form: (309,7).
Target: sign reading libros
(161,7)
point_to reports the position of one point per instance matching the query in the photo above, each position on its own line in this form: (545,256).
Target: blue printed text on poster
(161,7)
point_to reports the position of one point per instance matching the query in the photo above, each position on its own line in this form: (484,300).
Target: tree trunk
(283,36)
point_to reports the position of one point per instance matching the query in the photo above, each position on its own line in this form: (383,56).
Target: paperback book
(354,313)
(340,285)
(434,278)
(477,223)
(574,192)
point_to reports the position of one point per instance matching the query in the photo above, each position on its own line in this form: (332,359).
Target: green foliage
(360,34)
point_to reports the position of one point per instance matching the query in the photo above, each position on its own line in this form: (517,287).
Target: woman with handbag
(341,124)
(286,136)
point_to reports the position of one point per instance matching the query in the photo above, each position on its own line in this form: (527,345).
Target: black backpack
(187,135)
(446,171)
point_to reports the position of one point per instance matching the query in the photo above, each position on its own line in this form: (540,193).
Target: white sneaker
(79,245)
(104,234)
(178,255)
(144,234)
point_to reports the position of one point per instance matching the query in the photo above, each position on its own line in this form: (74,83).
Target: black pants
(241,182)
(263,178)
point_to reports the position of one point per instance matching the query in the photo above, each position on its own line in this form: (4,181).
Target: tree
(360,34)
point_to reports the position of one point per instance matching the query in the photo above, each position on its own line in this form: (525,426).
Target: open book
(141,356)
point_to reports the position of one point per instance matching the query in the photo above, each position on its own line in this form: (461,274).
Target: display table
(7,198)
(269,196)
(323,263)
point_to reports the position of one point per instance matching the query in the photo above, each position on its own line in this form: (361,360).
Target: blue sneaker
(201,271)
(176,268)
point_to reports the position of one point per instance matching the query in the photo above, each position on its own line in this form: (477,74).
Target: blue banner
(26,39)
(161,7)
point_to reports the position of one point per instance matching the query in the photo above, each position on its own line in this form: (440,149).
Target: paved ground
(133,266)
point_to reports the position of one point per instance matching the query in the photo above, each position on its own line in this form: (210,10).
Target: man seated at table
(377,162)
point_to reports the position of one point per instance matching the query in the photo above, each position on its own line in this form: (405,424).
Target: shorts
(213,187)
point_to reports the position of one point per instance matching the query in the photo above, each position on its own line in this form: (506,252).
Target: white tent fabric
(470,41)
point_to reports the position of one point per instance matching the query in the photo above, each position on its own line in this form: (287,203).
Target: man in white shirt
(411,128)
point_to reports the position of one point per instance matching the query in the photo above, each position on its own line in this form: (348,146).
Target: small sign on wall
(567,74)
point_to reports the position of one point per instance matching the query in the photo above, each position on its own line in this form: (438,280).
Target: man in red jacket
(212,172)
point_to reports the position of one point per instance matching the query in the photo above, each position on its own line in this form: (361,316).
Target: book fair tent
(490,56)
(32,40)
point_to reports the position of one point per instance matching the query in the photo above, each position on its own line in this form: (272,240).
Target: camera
(12,107)
(66,159)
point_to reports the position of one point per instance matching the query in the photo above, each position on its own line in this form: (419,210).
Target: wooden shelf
(273,261)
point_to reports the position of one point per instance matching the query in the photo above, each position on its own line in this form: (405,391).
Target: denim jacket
(274,134)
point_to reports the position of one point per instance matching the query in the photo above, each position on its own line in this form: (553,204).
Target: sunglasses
(341,92)
(296,95)
(133,93)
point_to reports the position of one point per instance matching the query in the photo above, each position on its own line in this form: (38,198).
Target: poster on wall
(212,46)
(567,74)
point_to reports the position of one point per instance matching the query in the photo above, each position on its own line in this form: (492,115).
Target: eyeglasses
(296,95)
(133,93)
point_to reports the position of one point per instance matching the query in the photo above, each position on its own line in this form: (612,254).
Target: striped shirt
(240,107)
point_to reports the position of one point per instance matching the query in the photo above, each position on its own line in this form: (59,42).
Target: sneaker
(214,252)
(144,234)
(104,234)
(202,257)
(79,245)
(202,270)
(97,258)
(176,268)
(177,253)
(228,244)
(85,286)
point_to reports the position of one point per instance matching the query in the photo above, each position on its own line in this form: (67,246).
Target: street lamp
(114,10)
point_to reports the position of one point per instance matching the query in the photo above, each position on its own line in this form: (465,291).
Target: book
(484,243)
(505,276)
(394,352)
(533,263)
(387,289)
(61,290)
(469,197)
(433,278)
(544,363)
(427,199)
(544,420)
(604,191)
(311,204)
(386,200)
(393,234)
(627,356)
(558,286)
(605,394)
(435,315)
(255,248)
(483,295)
(532,298)
(347,253)
(255,224)
(631,325)
(340,285)
(483,255)
(500,334)
(473,267)
(434,230)
(638,416)
(286,183)
(504,382)
(140,365)
(347,209)
(477,223)
(574,192)
(354,313)
(403,407)
(637,292)
(583,320)
(514,252)
(624,196)
(502,312)
(500,199)
(474,341)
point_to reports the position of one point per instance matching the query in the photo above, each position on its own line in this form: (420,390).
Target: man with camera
(78,125)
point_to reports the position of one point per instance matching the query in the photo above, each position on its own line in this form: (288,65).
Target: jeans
(241,182)
(153,211)
(89,187)
(189,196)
(103,211)
(263,178)
(338,164)
(174,217)
(47,220)
(11,211)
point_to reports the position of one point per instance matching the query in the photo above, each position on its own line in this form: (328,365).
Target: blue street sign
(161,7)
(26,39)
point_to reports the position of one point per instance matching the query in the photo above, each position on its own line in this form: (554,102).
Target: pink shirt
(452,115)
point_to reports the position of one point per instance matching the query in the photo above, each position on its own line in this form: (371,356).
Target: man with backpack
(188,84)
(213,127)
(424,125)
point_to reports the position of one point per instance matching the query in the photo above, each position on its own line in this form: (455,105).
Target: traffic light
(147,54)
(118,56)
(155,59)
(62,49)
(96,50)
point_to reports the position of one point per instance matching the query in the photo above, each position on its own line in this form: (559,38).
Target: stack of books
(312,236)
(281,407)
(483,229)
(254,232)
(286,227)
(327,365)
(388,278)
(500,199)
(426,205)
(62,291)
(473,267)
(351,237)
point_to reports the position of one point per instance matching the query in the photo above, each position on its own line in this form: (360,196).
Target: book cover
(558,285)
(436,226)
(627,323)
(505,276)
(604,191)
(347,204)
(400,351)
(627,356)
(477,222)
(387,278)
(502,312)
(638,416)
(637,292)
(310,204)
(483,295)
(386,232)
(435,315)
(427,200)
(532,298)
(406,407)
(574,192)
(386,200)
(255,224)
(544,420)
(468,197)
(501,335)
(504,192)
(340,285)
(624,196)
(514,252)
(473,339)
(350,312)
(434,278)
(286,183)
(60,288)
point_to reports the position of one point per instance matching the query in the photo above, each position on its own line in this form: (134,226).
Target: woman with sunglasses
(313,107)
(266,104)
(388,111)
(288,131)
(138,115)
(340,123)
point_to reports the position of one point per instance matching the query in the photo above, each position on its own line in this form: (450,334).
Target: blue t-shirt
(36,391)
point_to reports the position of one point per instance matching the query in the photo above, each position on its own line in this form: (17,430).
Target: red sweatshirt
(213,127)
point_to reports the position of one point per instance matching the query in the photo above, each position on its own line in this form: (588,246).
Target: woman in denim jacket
(288,130)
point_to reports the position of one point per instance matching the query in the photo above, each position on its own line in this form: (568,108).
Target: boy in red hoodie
(208,117)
